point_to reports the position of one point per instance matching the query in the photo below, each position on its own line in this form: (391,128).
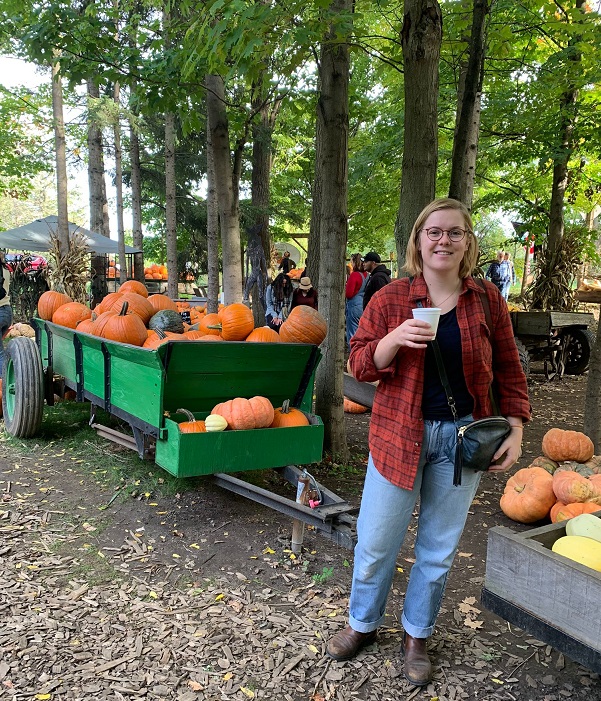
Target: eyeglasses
(435,234)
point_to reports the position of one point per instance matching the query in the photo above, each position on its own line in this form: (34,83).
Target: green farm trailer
(144,388)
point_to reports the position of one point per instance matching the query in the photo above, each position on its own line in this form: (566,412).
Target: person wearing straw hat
(305,294)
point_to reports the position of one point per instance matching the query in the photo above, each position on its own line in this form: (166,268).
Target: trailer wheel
(22,388)
(524,356)
(578,352)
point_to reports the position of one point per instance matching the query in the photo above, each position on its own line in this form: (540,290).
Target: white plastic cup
(431,315)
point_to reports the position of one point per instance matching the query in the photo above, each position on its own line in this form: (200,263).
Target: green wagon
(145,388)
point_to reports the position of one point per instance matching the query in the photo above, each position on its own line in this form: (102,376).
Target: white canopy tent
(35,237)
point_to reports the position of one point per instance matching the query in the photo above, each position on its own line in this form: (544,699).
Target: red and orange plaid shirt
(397,424)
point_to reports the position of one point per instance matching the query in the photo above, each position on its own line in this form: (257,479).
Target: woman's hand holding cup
(413,333)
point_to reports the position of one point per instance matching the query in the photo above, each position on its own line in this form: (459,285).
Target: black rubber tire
(579,351)
(524,356)
(22,388)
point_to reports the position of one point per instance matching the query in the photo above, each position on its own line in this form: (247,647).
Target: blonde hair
(413,257)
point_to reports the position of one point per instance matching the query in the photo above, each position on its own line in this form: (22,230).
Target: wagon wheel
(22,388)
(580,343)
(524,356)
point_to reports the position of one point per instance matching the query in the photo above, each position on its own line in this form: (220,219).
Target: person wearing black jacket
(379,275)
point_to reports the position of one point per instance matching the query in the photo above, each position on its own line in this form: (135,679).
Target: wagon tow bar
(334,518)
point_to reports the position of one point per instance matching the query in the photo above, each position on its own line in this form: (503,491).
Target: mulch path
(200,613)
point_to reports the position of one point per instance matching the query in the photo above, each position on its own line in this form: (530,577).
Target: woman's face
(443,256)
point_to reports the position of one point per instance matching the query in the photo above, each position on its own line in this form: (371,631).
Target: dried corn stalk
(552,287)
(70,272)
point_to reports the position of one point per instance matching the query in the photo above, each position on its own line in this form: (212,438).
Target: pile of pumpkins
(241,414)
(132,316)
(564,482)
(156,272)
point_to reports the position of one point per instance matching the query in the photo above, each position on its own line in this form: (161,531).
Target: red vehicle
(31,264)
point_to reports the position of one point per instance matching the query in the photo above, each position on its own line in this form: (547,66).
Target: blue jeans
(6,319)
(383,521)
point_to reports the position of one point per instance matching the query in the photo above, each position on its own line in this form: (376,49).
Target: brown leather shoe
(347,643)
(418,668)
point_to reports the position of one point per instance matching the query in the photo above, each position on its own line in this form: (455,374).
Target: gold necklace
(438,306)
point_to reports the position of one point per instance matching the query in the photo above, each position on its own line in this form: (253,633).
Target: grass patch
(66,437)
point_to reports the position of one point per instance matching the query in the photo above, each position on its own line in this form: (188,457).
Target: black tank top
(434,400)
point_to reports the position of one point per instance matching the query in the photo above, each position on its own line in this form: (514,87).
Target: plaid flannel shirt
(397,425)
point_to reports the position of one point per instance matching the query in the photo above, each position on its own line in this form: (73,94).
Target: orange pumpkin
(528,495)
(107,302)
(263,334)
(562,445)
(235,322)
(207,322)
(101,321)
(157,337)
(124,327)
(353,408)
(71,314)
(246,414)
(49,302)
(287,416)
(195,335)
(596,482)
(304,325)
(87,325)
(160,302)
(210,337)
(134,286)
(196,314)
(570,487)
(562,512)
(136,305)
(192,425)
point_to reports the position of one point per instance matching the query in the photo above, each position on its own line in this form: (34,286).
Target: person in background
(413,433)
(511,279)
(278,301)
(305,294)
(6,311)
(496,272)
(379,276)
(354,291)
(286,264)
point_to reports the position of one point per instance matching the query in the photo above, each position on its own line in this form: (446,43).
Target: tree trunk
(467,127)
(313,246)
(136,198)
(568,109)
(170,209)
(99,219)
(333,113)
(421,38)
(61,159)
(119,189)
(97,197)
(212,230)
(262,131)
(228,202)
(592,403)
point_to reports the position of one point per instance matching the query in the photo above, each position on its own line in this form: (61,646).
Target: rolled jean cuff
(364,627)
(415,632)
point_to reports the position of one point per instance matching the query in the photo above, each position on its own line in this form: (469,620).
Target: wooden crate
(553,598)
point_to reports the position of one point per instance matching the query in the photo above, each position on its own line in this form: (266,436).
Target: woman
(6,312)
(306,294)
(412,434)
(278,301)
(355,288)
